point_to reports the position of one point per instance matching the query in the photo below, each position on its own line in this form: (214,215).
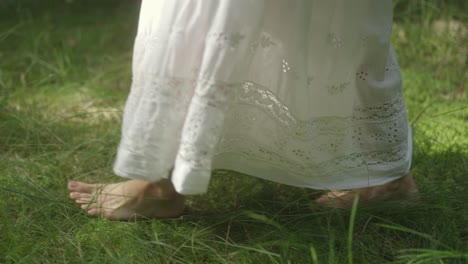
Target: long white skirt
(302,92)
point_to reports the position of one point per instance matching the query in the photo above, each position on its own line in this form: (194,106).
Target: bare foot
(403,189)
(128,200)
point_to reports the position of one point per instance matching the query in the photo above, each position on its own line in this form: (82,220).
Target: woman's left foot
(403,189)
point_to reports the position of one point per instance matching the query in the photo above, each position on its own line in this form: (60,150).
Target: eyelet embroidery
(231,40)
(337,88)
(286,67)
(391,68)
(266,40)
(384,140)
(335,41)
(362,75)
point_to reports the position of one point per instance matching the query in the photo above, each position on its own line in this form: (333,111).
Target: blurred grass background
(64,76)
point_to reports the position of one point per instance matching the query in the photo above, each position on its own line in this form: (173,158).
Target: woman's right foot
(403,190)
(128,200)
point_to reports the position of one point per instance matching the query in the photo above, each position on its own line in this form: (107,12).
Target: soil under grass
(64,76)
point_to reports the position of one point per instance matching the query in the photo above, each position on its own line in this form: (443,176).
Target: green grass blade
(351,228)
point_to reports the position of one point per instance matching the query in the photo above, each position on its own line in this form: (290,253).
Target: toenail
(73,184)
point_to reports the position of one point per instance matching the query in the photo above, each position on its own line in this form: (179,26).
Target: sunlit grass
(64,76)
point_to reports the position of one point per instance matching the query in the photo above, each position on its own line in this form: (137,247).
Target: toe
(93,211)
(79,195)
(88,206)
(84,201)
(74,195)
(82,187)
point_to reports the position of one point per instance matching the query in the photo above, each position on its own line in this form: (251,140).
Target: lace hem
(249,120)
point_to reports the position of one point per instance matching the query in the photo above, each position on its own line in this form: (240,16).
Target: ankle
(163,189)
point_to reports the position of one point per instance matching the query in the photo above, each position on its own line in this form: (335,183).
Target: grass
(64,76)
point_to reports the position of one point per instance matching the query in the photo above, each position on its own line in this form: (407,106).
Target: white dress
(302,92)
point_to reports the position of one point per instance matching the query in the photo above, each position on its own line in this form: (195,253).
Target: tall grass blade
(313,254)
(351,228)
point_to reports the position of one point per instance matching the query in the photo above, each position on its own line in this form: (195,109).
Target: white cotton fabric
(302,92)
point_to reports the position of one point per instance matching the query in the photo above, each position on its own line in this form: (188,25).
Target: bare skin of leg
(403,189)
(128,200)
